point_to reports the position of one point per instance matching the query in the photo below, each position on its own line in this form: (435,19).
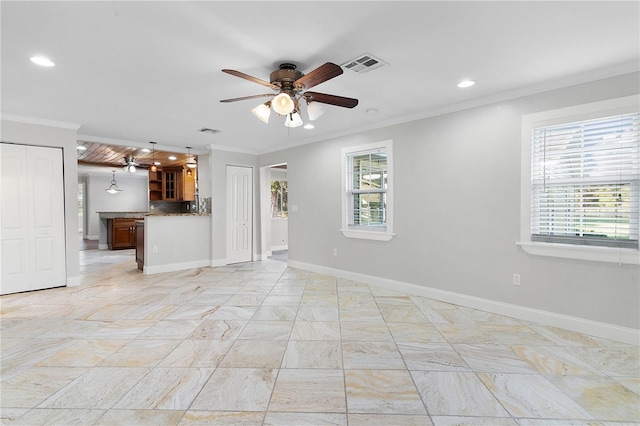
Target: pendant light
(191,162)
(154,168)
(113,189)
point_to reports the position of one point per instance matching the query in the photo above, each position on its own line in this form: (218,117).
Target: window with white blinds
(585,182)
(368,191)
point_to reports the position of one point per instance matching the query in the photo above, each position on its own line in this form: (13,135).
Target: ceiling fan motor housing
(285,76)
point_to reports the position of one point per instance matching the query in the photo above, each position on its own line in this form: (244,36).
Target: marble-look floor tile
(554,360)
(365,331)
(39,416)
(613,361)
(218,330)
(123,329)
(631,383)
(31,386)
(237,389)
(309,390)
(389,419)
(221,418)
(140,417)
(140,353)
(317,313)
(489,358)
(255,354)
(274,313)
(415,332)
(313,354)
(431,357)
(402,314)
(151,312)
(192,312)
(563,337)
(304,419)
(532,396)
(601,397)
(382,392)
(267,330)
(197,353)
(152,392)
(83,353)
(473,421)
(316,330)
(171,329)
(360,315)
(237,313)
(456,394)
(371,356)
(99,388)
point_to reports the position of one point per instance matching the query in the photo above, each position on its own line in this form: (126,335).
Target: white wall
(457,213)
(60,135)
(134,197)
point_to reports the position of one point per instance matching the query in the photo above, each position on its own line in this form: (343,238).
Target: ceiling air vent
(208,130)
(364,63)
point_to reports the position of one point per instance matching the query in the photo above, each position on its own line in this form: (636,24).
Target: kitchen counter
(135,215)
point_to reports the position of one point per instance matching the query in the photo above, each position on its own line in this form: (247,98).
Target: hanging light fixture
(314,110)
(263,111)
(293,120)
(191,162)
(154,168)
(113,189)
(282,104)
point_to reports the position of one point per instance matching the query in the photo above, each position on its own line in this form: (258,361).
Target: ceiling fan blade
(246,97)
(340,101)
(251,78)
(319,75)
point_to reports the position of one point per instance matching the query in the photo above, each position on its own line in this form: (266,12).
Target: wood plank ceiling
(98,154)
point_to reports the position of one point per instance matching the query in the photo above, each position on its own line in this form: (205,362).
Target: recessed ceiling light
(81,148)
(145,150)
(466,83)
(309,126)
(172,157)
(157,163)
(42,61)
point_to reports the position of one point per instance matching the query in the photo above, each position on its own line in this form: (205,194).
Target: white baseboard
(103,246)
(92,237)
(277,248)
(218,262)
(581,325)
(172,267)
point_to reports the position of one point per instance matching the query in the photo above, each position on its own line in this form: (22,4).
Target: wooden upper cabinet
(172,184)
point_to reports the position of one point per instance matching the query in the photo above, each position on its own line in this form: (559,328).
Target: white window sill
(590,253)
(368,235)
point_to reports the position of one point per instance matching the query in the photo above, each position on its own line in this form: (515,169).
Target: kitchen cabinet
(155,186)
(121,233)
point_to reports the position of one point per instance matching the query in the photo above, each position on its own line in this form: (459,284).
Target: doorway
(239,214)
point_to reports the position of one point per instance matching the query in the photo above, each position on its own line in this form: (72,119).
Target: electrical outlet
(516,279)
(154,249)
(335,251)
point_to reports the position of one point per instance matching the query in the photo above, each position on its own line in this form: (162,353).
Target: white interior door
(239,214)
(32,218)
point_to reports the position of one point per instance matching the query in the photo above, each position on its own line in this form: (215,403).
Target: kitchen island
(170,241)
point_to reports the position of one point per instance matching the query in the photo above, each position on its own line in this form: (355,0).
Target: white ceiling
(133,72)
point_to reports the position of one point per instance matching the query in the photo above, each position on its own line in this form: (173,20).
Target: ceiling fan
(131,164)
(289,87)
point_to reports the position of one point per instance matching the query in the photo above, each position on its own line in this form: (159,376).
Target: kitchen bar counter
(134,215)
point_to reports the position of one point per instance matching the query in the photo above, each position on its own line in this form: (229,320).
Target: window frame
(610,107)
(367,232)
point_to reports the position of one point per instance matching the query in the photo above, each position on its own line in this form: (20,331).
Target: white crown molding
(40,121)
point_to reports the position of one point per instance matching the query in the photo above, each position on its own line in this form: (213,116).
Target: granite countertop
(135,215)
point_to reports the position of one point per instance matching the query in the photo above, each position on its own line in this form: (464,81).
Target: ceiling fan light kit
(131,164)
(290,85)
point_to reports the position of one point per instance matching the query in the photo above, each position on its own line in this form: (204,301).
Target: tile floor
(263,344)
